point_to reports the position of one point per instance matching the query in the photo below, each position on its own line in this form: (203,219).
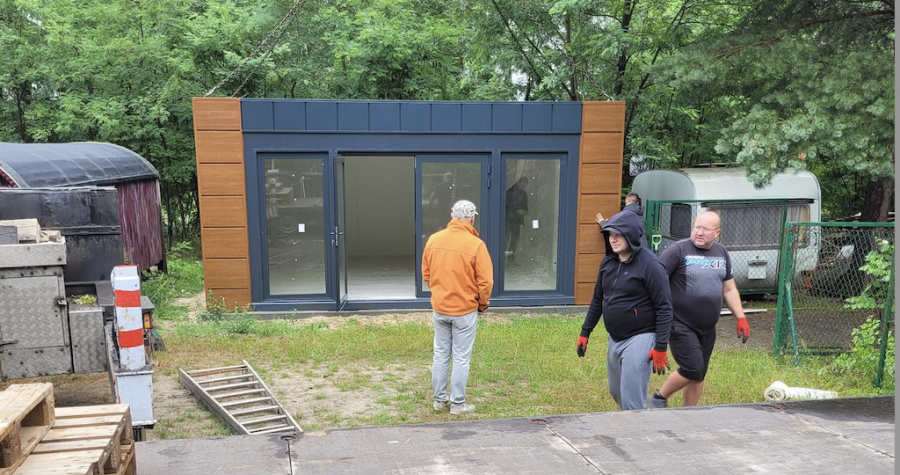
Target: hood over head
(634,208)
(627,224)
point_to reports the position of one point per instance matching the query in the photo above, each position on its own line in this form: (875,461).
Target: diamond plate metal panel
(27,363)
(88,342)
(30,312)
(33,254)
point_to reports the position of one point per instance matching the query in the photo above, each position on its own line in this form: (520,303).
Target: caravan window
(681,220)
(751,226)
(799,213)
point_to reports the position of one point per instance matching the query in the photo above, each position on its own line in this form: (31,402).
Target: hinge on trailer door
(489,175)
(8,342)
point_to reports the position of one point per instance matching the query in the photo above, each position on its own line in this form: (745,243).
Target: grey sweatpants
(628,370)
(454,335)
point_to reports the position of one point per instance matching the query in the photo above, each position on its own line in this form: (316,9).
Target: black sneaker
(657,401)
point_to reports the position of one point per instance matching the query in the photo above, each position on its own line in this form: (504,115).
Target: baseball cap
(463,209)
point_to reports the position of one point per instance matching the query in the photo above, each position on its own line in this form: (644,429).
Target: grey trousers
(628,370)
(456,336)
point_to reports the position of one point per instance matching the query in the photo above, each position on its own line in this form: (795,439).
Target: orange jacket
(457,268)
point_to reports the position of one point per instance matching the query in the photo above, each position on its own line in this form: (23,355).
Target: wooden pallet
(240,398)
(26,415)
(88,440)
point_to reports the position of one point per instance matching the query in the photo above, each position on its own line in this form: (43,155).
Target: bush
(862,361)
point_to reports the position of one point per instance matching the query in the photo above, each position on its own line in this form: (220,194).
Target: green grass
(522,366)
(183,279)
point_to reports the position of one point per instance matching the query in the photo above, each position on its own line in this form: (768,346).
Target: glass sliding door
(440,182)
(531,222)
(295,226)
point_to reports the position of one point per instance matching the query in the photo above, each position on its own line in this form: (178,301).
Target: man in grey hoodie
(632,295)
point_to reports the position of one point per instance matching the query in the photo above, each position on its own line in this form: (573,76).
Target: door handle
(336,236)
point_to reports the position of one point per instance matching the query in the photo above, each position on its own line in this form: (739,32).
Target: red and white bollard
(129,319)
(131,374)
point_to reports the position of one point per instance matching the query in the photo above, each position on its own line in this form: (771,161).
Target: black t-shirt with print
(695,278)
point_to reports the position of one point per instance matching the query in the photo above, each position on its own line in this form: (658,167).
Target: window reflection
(295,226)
(531,223)
(445,183)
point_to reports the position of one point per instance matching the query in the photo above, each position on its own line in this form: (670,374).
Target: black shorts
(691,350)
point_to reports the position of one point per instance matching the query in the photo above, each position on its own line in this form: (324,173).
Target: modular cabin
(327,204)
(752,218)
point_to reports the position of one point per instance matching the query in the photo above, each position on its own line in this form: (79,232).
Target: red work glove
(660,361)
(581,347)
(743,330)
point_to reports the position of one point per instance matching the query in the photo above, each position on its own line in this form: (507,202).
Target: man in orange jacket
(457,268)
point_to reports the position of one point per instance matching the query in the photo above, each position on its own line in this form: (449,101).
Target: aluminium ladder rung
(252,410)
(238,393)
(225,378)
(231,386)
(241,402)
(225,369)
(260,420)
(269,430)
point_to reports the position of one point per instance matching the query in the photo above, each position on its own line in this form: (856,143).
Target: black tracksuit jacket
(632,296)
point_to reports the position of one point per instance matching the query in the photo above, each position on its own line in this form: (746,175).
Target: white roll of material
(779,391)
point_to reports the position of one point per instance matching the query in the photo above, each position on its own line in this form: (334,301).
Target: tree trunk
(877,202)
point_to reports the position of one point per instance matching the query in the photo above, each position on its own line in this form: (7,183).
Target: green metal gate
(835,289)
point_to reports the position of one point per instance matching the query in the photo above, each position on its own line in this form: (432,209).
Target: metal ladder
(239,397)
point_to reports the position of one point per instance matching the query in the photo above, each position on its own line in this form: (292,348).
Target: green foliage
(879,265)
(85,299)
(862,362)
(184,278)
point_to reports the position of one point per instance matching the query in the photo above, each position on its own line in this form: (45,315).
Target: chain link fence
(836,294)
(750,229)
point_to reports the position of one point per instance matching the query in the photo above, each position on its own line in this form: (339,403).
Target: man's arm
(426,270)
(658,288)
(732,298)
(596,308)
(484,277)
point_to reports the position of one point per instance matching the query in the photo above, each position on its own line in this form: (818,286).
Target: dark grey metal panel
(321,116)
(415,116)
(384,116)
(353,116)
(507,117)
(257,114)
(290,115)
(537,117)
(446,117)
(476,117)
(87,217)
(567,117)
(260,115)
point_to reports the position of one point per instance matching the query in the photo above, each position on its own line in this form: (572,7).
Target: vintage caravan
(752,218)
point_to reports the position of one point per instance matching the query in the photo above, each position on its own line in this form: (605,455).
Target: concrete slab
(854,435)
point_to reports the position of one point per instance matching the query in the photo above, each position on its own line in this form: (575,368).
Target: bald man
(700,280)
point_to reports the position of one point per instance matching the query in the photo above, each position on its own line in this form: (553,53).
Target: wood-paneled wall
(223,201)
(599,187)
